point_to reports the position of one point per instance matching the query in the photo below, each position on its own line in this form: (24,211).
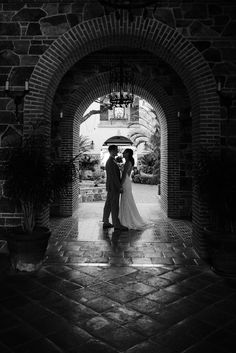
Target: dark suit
(113,185)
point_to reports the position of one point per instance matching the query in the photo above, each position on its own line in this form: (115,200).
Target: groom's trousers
(112,207)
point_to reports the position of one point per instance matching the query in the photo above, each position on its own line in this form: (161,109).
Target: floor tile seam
(54,275)
(137,282)
(113,307)
(201,268)
(30,325)
(105,284)
(212,294)
(24,294)
(80,287)
(16,316)
(170,306)
(108,344)
(219,310)
(101,315)
(63,296)
(28,341)
(147,313)
(152,339)
(109,295)
(205,338)
(217,328)
(116,350)
(50,341)
(71,300)
(69,281)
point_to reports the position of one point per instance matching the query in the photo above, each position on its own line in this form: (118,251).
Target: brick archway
(145,34)
(163,105)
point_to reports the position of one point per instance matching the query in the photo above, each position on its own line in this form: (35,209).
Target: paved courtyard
(108,292)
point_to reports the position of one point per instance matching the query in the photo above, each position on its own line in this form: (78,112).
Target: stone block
(9,58)
(38,49)
(202,45)
(78,7)
(30,60)
(229,54)
(197,29)
(6,44)
(212,55)
(4,154)
(21,46)
(34,30)
(51,9)
(195,10)
(13,6)
(29,14)
(73,19)
(9,29)
(11,138)
(230,29)
(3,129)
(20,74)
(6,206)
(54,25)
(13,221)
(166,16)
(64,8)
(93,9)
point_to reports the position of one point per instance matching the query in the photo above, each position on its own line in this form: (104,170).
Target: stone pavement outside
(107,292)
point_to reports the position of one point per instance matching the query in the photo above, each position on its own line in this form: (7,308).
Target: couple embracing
(123,210)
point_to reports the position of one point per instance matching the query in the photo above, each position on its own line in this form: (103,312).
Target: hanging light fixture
(121,84)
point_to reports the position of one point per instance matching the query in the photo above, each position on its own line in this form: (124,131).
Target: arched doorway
(149,90)
(121,141)
(164,42)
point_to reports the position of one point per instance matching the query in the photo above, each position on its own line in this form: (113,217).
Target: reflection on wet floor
(82,239)
(110,292)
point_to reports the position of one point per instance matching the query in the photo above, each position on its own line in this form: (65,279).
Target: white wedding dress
(128,212)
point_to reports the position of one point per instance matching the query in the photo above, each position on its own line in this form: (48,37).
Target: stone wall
(92,194)
(28,29)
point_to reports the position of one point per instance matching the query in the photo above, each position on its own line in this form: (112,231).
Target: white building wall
(100,131)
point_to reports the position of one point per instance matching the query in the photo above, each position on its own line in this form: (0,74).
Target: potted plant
(32,181)
(215,181)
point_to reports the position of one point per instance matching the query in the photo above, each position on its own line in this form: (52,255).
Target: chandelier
(121,84)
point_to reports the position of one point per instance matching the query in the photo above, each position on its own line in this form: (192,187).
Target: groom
(114,188)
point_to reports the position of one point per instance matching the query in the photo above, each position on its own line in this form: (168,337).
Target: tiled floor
(105,292)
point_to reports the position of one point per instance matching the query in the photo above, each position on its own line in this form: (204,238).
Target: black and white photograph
(117,176)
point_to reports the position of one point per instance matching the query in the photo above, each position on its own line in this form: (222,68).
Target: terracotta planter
(222,252)
(27,252)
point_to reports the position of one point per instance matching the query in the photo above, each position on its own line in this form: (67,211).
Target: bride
(128,213)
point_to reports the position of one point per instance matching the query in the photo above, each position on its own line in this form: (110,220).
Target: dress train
(128,214)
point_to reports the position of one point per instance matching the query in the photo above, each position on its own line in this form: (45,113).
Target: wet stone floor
(101,291)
